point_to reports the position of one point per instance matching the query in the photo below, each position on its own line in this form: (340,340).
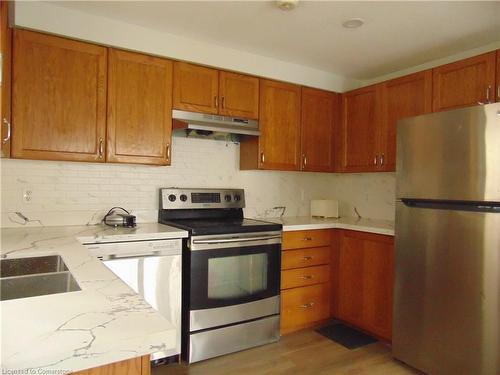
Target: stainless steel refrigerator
(447,289)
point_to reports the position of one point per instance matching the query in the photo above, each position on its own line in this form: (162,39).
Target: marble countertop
(104,322)
(364,225)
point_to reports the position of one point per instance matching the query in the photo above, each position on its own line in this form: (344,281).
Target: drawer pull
(307,305)
(306,277)
(308,239)
(307,258)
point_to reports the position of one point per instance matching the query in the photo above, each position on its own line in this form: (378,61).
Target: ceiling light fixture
(353,23)
(286,4)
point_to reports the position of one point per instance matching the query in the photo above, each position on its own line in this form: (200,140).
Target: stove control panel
(179,198)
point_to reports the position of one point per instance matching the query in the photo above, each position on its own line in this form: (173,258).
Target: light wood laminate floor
(301,353)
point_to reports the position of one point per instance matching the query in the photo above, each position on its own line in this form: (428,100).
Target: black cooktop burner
(197,227)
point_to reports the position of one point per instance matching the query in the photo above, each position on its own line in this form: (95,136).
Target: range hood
(205,124)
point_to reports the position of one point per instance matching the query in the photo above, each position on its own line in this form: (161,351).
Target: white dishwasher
(151,268)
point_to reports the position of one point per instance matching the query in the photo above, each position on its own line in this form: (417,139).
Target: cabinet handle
(307,258)
(262,157)
(6,139)
(222,102)
(101,148)
(488,101)
(375,160)
(304,160)
(306,277)
(307,238)
(168,151)
(382,156)
(216,101)
(307,305)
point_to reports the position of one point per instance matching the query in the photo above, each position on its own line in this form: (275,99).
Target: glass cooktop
(222,226)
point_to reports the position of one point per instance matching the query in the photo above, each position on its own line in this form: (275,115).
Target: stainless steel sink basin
(35,276)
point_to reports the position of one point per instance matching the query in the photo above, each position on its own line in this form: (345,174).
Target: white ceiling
(396,35)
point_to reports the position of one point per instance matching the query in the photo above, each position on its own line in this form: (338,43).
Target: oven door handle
(234,240)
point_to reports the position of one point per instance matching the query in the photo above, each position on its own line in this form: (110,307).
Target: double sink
(35,276)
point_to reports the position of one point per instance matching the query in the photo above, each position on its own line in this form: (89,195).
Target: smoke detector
(353,23)
(286,4)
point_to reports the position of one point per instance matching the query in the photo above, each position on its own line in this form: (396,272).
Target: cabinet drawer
(302,239)
(305,257)
(304,276)
(302,307)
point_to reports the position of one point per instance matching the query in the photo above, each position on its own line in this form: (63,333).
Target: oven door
(234,278)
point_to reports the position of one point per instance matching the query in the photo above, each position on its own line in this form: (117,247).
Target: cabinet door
(361,122)
(139,108)
(318,114)
(304,307)
(134,366)
(498,76)
(350,279)
(378,284)
(239,95)
(5,87)
(403,97)
(464,83)
(279,142)
(365,282)
(196,88)
(59,98)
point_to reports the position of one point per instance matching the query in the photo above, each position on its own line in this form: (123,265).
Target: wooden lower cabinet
(305,276)
(364,265)
(303,239)
(305,279)
(134,366)
(304,307)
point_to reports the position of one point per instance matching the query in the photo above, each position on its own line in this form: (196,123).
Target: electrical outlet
(27,195)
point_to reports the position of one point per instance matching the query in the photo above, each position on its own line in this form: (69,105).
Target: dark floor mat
(346,336)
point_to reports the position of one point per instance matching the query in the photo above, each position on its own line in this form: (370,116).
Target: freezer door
(447,290)
(452,155)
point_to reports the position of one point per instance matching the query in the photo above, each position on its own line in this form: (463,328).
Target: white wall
(72,23)
(72,193)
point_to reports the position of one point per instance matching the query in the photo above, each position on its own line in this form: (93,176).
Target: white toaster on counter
(325,208)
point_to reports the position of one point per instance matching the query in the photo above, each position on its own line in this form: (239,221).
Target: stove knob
(183,197)
(172,198)
(237,197)
(227,198)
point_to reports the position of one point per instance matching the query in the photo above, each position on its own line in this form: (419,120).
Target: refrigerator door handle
(492,207)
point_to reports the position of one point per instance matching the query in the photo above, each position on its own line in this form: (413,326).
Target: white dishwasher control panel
(111,250)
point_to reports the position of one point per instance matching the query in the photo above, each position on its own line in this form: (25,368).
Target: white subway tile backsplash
(72,193)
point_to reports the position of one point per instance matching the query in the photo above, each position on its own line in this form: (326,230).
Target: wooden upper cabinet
(464,83)
(403,97)
(5,89)
(362,118)
(498,76)
(196,88)
(319,110)
(239,95)
(139,108)
(366,281)
(59,98)
(279,142)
